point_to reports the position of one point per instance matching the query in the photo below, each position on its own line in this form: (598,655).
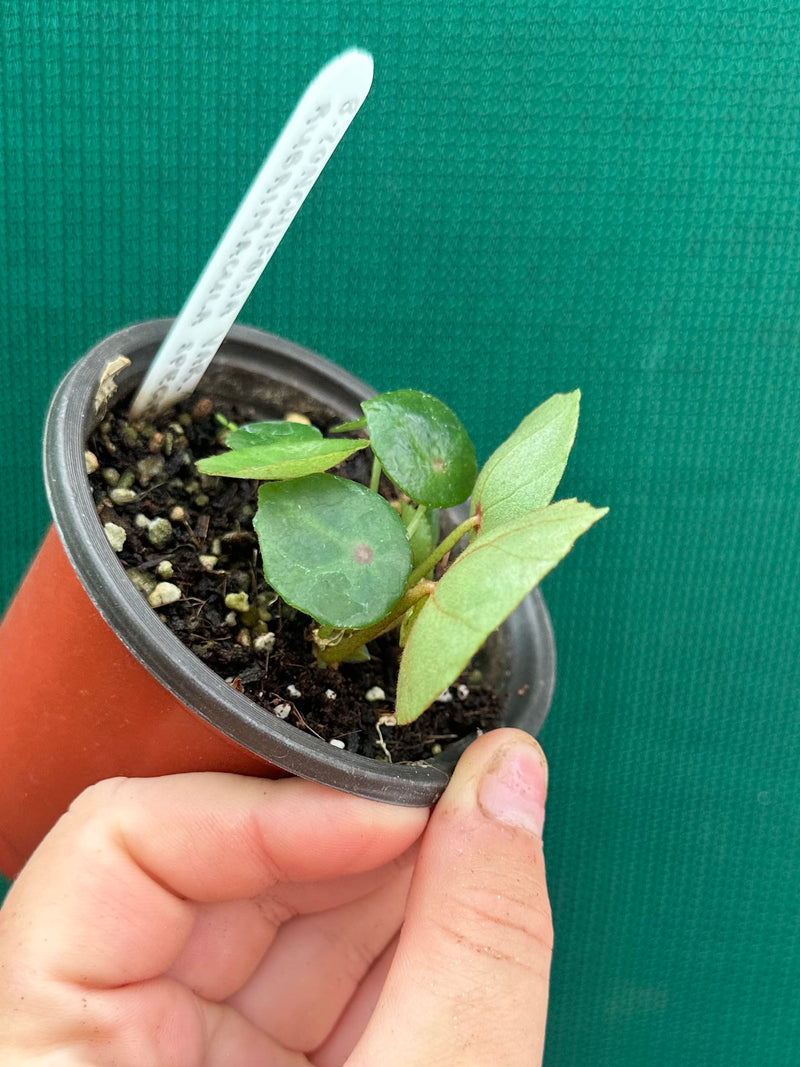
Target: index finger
(108,897)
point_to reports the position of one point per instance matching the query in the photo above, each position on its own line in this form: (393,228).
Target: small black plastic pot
(268,373)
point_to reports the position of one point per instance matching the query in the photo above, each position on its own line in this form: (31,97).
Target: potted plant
(96,685)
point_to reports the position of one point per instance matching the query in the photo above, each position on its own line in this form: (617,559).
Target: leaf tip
(405,713)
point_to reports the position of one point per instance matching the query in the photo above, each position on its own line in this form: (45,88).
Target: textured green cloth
(536,196)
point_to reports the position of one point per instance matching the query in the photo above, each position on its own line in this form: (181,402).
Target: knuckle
(272,912)
(256,835)
(98,798)
(91,819)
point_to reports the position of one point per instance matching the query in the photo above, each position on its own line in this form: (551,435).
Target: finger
(157,1022)
(108,897)
(147,1023)
(469,980)
(317,962)
(229,939)
(302,898)
(352,1023)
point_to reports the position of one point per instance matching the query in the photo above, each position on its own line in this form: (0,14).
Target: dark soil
(203,544)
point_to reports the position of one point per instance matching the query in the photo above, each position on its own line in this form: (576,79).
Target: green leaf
(422,446)
(266,433)
(348,427)
(481,589)
(523,473)
(284,458)
(332,549)
(360,655)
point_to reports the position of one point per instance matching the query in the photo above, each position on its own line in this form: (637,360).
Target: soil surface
(189,547)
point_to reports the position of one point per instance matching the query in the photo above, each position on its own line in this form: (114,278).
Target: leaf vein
(523,440)
(487,507)
(452,615)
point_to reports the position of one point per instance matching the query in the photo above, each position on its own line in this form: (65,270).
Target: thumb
(468,983)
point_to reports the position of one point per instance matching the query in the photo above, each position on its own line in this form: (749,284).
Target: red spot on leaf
(363,554)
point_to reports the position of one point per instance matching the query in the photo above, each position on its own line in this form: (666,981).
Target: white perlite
(115,535)
(141,580)
(164,593)
(445,698)
(293,691)
(376,693)
(264,643)
(237,602)
(283,711)
(336,742)
(159,532)
(122,496)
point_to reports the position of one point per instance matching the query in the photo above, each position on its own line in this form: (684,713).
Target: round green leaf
(267,433)
(332,548)
(422,446)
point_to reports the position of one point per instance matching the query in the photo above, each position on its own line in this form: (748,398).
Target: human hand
(210,919)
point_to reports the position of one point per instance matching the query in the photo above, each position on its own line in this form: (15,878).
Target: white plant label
(298,157)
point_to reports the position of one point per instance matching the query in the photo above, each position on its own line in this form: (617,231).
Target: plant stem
(336,653)
(375,480)
(442,549)
(411,529)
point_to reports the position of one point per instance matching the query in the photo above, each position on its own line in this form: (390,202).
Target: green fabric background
(536,196)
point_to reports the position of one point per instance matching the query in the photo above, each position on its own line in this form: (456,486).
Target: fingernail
(514,787)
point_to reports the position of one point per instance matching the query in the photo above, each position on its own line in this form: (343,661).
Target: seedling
(361,565)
